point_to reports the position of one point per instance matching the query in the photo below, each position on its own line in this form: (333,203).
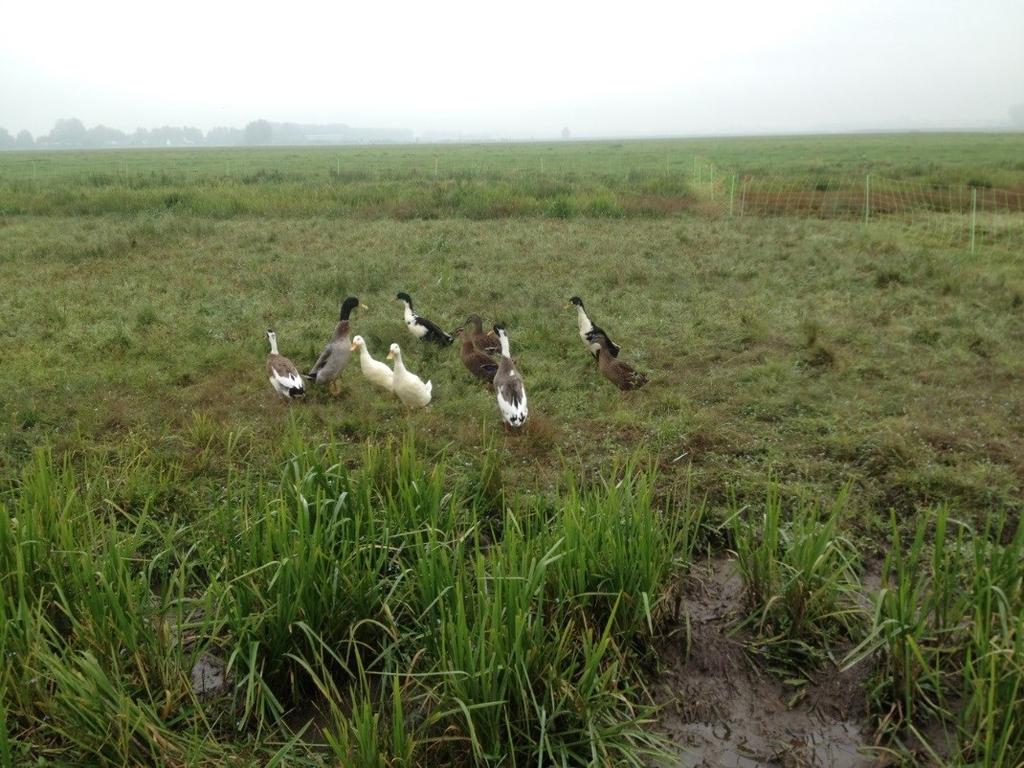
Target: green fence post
(974,214)
(867,197)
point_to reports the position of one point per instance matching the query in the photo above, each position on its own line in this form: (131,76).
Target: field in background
(796,357)
(982,160)
(975,180)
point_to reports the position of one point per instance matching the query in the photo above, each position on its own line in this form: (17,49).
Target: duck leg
(334,387)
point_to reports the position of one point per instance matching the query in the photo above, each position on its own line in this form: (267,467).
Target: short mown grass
(771,346)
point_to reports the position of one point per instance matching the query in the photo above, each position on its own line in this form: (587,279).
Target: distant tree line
(71,133)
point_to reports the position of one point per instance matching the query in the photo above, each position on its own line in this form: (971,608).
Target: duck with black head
(334,358)
(586,327)
(420,327)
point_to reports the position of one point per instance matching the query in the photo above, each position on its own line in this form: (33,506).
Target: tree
(192,135)
(101,136)
(6,140)
(24,140)
(259,132)
(225,137)
(167,136)
(67,133)
(565,134)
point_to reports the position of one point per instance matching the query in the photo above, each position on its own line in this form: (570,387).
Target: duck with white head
(407,385)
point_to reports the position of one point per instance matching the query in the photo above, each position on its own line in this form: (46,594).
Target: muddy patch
(719,709)
(210,676)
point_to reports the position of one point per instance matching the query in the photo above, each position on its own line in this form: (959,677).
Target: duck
(377,372)
(477,362)
(407,385)
(334,358)
(618,373)
(486,342)
(421,327)
(508,385)
(586,327)
(284,376)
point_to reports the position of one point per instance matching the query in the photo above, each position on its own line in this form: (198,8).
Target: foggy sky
(516,69)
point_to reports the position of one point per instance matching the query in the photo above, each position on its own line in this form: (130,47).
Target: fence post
(974,214)
(867,197)
(732,193)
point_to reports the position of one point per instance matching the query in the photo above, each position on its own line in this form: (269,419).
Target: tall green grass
(947,634)
(800,577)
(391,605)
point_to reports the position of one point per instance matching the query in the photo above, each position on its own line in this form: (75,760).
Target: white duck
(377,372)
(407,385)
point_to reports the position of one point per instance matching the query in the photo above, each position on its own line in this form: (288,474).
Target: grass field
(649,179)
(835,421)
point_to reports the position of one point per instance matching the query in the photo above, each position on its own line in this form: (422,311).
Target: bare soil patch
(720,710)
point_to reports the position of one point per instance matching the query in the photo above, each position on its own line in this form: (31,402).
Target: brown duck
(284,378)
(487,342)
(477,362)
(618,373)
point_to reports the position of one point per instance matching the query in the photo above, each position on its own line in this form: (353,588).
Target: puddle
(705,744)
(719,710)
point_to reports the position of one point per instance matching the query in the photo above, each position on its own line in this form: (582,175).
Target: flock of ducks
(485,354)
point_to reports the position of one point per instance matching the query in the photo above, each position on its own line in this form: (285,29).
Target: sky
(516,69)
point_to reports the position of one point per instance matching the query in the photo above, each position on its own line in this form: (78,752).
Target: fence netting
(961,215)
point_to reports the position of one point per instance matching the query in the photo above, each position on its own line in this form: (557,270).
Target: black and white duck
(421,327)
(587,326)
